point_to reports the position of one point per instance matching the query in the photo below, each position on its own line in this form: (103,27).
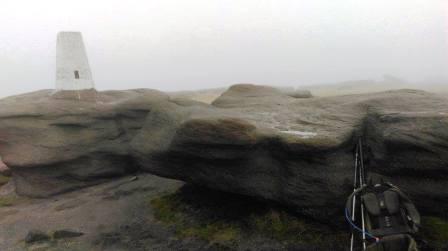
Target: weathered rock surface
(252,140)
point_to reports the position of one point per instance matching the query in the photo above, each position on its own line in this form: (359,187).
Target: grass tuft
(211,232)
(7,201)
(4,180)
(166,208)
(435,232)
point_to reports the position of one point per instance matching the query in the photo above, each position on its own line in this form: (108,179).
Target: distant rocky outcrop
(300,94)
(253,140)
(295,92)
(249,94)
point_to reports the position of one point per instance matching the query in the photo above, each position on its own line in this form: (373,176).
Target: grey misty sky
(177,44)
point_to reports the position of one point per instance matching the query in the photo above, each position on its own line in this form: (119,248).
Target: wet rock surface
(252,140)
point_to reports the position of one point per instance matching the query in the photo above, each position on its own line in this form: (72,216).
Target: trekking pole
(362,182)
(355,183)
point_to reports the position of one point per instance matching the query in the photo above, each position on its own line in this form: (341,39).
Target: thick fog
(194,44)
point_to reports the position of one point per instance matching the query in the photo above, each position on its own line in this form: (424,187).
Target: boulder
(55,144)
(253,140)
(66,233)
(250,94)
(36,236)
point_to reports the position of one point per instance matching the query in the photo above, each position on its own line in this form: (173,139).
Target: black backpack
(390,216)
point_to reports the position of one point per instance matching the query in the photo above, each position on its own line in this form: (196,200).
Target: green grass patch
(166,208)
(212,232)
(280,225)
(223,218)
(7,201)
(4,180)
(435,232)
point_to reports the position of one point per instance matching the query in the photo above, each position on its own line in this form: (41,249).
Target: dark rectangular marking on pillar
(76,74)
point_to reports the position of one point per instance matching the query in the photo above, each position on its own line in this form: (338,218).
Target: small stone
(134,178)
(36,236)
(66,233)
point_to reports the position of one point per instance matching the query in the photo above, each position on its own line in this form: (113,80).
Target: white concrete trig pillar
(72,66)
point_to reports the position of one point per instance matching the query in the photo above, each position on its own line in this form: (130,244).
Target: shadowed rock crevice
(47,180)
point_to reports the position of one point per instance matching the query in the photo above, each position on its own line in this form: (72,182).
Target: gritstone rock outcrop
(252,140)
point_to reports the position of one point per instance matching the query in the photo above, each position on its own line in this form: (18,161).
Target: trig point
(72,66)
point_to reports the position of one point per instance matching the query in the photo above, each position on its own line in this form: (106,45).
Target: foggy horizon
(176,45)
